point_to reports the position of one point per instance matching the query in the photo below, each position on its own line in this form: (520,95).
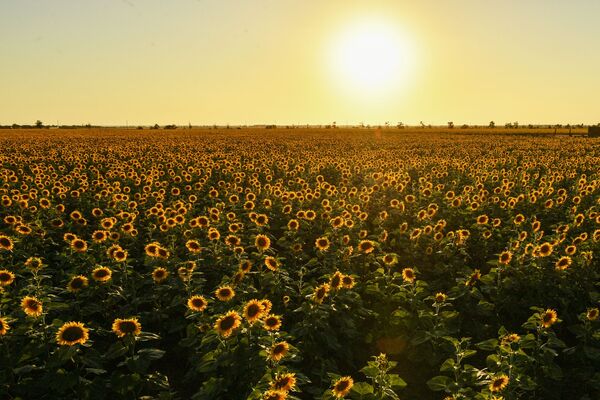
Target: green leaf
(439,383)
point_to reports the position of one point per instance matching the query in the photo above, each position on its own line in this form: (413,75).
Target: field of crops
(298,264)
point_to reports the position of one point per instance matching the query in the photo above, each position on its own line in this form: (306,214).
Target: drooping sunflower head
(128,326)
(342,386)
(77,283)
(101,274)
(72,333)
(197,303)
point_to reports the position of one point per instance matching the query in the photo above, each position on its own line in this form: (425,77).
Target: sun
(371,57)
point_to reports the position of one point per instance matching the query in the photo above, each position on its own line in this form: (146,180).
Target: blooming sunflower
(366,246)
(101,274)
(128,326)
(278,351)
(4,327)
(271,263)
(274,395)
(322,243)
(31,306)
(77,283)
(6,243)
(505,257)
(79,245)
(227,323)
(498,383)
(342,386)
(335,282)
(193,246)
(284,382)
(197,303)
(563,263)
(34,263)
(347,282)
(262,243)
(160,274)
(592,314)
(225,293)
(440,297)
(6,277)
(72,333)
(253,310)
(320,293)
(545,249)
(272,323)
(408,274)
(548,318)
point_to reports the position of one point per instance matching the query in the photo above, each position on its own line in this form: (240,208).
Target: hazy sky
(244,62)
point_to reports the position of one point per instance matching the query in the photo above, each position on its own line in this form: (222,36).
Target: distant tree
(464,126)
(492,125)
(16,126)
(422,124)
(39,124)
(400,125)
(140,127)
(450,124)
(156,126)
(515,124)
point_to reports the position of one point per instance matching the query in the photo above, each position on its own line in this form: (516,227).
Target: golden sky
(114,62)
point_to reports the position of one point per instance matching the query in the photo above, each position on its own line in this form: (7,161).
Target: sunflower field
(298,264)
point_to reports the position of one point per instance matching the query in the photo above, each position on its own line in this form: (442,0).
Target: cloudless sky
(244,62)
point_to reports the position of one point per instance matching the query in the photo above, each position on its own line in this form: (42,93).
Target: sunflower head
(225,293)
(272,323)
(342,386)
(101,274)
(284,382)
(253,311)
(6,277)
(31,306)
(197,303)
(227,323)
(278,351)
(498,383)
(77,283)
(129,326)
(548,318)
(408,274)
(72,333)
(4,327)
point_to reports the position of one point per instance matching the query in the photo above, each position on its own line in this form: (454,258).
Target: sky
(140,62)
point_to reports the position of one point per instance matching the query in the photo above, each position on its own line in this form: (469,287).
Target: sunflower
(510,338)
(271,263)
(342,386)
(284,382)
(34,263)
(6,243)
(101,274)
(366,246)
(72,333)
(227,323)
(197,303)
(563,263)
(592,314)
(320,293)
(274,395)
(548,318)
(322,243)
(159,274)
(498,383)
(473,278)
(482,219)
(335,282)
(225,293)
(77,283)
(6,277)
(129,326)
(571,249)
(4,327)
(505,257)
(278,351)
(99,236)
(266,306)
(272,323)
(253,311)
(193,246)
(31,306)
(262,243)
(440,297)
(408,274)
(79,245)
(545,249)
(347,282)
